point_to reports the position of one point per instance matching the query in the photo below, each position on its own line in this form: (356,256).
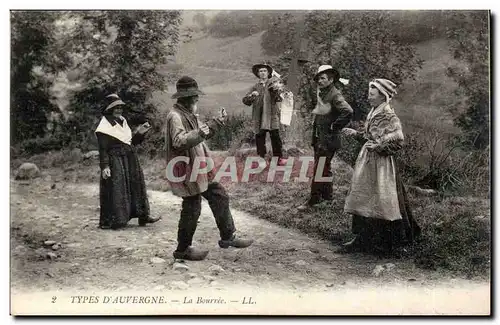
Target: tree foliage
(32,56)
(362,46)
(470,44)
(101,52)
(122,51)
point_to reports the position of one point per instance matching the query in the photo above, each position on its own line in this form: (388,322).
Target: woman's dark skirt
(123,196)
(384,234)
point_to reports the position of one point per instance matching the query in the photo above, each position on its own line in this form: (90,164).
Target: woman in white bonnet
(382,219)
(123,193)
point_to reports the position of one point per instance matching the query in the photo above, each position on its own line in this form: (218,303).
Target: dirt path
(140,258)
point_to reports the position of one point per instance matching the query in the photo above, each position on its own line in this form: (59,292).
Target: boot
(143,222)
(235,242)
(191,254)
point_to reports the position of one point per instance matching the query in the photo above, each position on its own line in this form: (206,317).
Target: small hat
(186,87)
(386,87)
(111,101)
(256,67)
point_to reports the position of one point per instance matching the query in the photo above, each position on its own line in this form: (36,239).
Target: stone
(294,152)
(51,256)
(301,263)
(180,267)
(245,146)
(215,270)
(157,260)
(195,281)
(378,270)
(421,191)
(389,266)
(50,242)
(209,278)
(20,249)
(27,171)
(93,154)
(73,245)
(56,247)
(179,285)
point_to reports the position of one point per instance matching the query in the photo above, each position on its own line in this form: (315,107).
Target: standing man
(331,114)
(185,147)
(265,113)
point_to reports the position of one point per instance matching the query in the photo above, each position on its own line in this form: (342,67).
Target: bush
(235,130)
(41,145)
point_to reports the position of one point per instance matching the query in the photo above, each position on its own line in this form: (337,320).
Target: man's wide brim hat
(327,68)
(187,87)
(257,67)
(112,101)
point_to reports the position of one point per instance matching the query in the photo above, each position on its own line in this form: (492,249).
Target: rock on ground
(180,267)
(93,154)
(27,171)
(215,270)
(157,260)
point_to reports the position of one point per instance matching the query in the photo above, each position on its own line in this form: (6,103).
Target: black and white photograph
(250,162)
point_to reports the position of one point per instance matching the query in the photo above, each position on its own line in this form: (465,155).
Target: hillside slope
(222,69)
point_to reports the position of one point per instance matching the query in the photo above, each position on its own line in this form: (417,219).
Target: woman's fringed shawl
(384,128)
(373,192)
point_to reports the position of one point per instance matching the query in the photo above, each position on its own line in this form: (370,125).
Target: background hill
(222,68)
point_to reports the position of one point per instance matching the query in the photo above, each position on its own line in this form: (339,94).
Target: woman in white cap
(382,219)
(122,188)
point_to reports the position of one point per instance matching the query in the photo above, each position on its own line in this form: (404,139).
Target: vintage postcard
(236,162)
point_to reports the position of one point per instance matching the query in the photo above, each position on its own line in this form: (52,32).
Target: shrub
(41,144)
(235,130)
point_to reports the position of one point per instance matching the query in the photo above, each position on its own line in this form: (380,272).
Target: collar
(184,109)
(113,120)
(326,90)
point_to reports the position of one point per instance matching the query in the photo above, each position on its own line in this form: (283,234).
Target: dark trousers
(218,200)
(321,190)
(260,141)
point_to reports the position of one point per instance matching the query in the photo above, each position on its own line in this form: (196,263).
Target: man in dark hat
(265,113)
(185,147)
(331,114)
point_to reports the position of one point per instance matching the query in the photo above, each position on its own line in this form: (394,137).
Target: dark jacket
(265,112)
(326,128)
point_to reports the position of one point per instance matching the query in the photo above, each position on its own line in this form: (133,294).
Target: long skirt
(123,195)
(385,233)
(373,191)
